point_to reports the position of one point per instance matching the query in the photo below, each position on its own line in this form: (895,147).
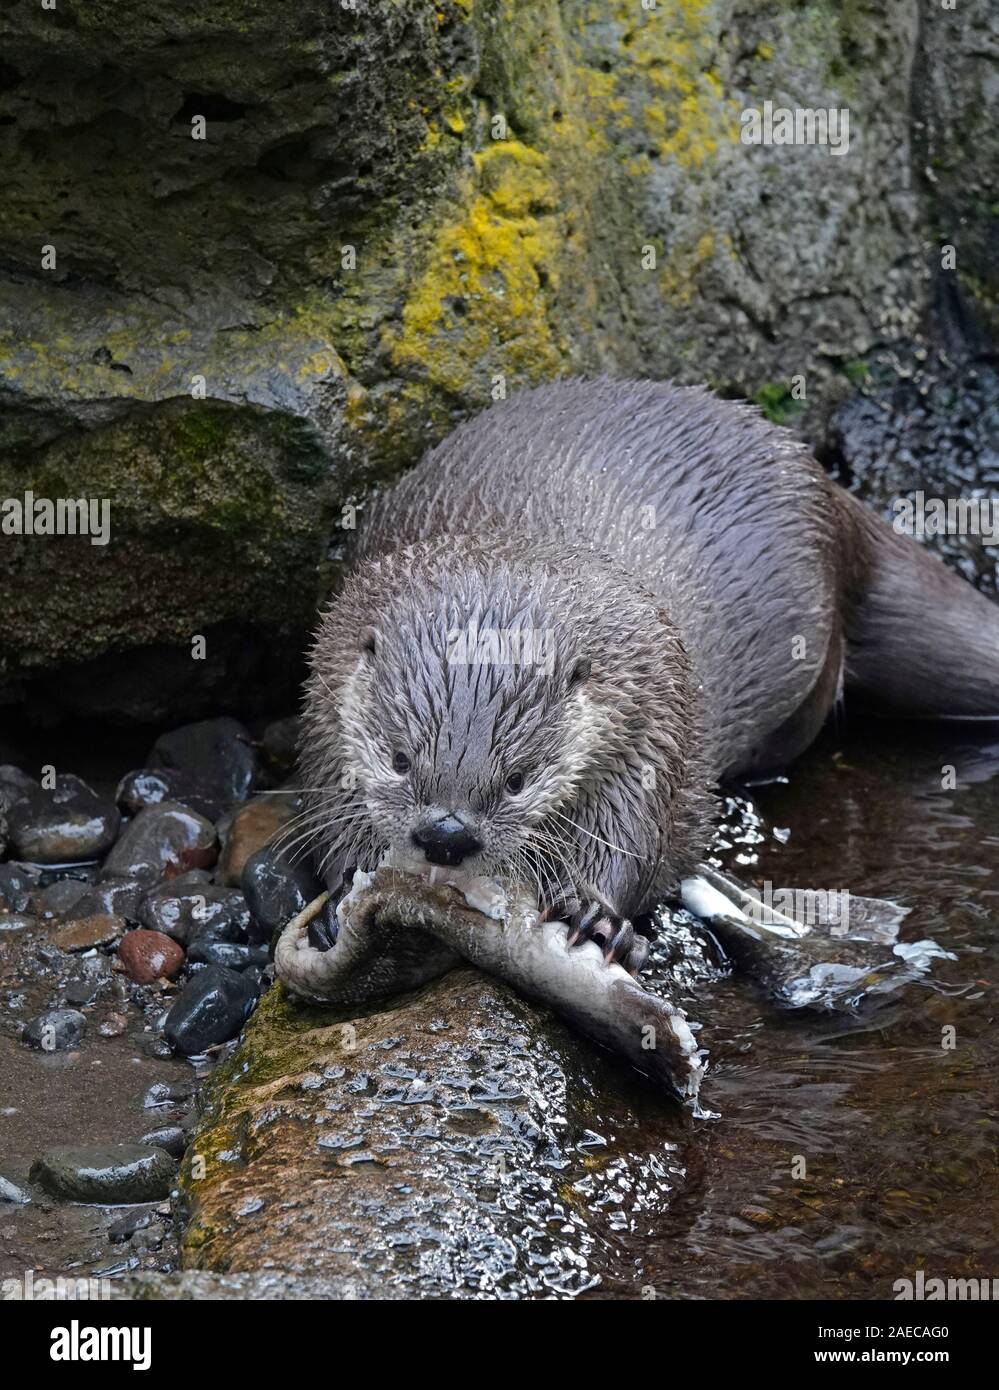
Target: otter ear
(369,640)
(579,673)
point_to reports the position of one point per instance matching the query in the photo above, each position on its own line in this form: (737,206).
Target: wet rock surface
(211,1009)
(277,885)
(149,955)
(113,1173)
(435,1146)
(55,1030)
(85,933)
(250,830)
(163,841)
(69,822)
(150,786)
(219,754)
(191,908)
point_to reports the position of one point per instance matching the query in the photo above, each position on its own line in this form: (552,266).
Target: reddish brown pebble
(149,955)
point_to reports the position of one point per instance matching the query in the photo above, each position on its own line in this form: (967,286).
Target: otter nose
(446,841)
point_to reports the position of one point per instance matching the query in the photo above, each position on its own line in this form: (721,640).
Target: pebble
(148,786)
(219,753)
(211,1008)
(82,991)
(149,955)
(190,911)
(105,1173)
(60,898)
(10,1192)
(119,896)
(168,1093)
(126,1226)
(89,932)
(252,827)
(113,1026)
(171,1139)
(276,890)
(14,784)
(280,742)
(66,824)
(17,884)
(55,1030)
(17,921)
(162,841)
(232,954)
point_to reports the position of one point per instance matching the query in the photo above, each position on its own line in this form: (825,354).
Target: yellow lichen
(482,285)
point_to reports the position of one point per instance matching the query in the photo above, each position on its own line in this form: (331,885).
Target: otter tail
(920,639)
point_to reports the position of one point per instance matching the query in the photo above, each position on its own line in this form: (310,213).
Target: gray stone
(108,1174)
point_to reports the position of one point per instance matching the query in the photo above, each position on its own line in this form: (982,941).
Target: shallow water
(852,1151)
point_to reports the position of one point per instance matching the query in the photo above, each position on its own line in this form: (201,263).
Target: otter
(584,611)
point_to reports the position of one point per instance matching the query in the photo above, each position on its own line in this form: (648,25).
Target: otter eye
(515,782)
(400,764)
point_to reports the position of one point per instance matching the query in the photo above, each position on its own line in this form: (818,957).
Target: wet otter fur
(693,596)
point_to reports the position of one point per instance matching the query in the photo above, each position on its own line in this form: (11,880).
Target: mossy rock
(441,1146)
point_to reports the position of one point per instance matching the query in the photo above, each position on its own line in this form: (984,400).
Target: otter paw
(616,936)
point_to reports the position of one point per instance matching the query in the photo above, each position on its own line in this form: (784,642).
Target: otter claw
(594,921)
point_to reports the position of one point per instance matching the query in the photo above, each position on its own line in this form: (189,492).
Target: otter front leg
(616,936)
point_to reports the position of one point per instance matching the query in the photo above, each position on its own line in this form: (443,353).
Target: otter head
(467,705)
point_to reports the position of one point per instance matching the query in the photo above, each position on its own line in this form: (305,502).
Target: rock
(17,884)
(66,824)
(488,260)
(126,1226)
(462,1109)
(107,1174)
(55,1030)
(171,1139)
(149,955)
(162,841)
(149,786)
(10,1192)
(280,743)
(113,1026)
(95,973)
(218,752)
(118,896)
(231,954)
(211,1008)
(168,1093)
(89,932)
(252,827)
(276,889)
(14,783)
(190,911)
(60,898)
(17,921)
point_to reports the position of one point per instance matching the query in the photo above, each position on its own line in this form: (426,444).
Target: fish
(398,930)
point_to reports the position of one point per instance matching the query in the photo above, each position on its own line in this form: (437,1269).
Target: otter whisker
(599,838)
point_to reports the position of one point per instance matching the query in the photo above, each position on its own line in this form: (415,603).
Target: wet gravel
(128,966)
